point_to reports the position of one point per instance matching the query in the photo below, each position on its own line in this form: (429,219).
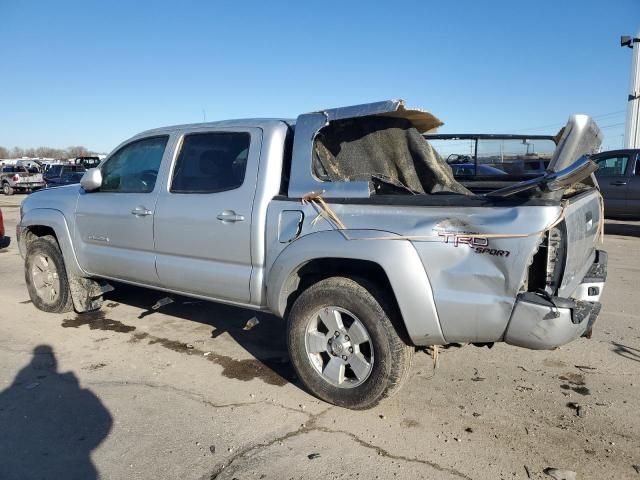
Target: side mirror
(91,180)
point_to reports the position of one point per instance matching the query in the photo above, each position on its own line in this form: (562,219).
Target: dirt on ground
(187,392)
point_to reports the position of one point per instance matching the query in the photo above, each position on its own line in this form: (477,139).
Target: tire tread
(369,297)
(49,245)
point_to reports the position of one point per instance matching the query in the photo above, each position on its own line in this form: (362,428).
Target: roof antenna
(204,115)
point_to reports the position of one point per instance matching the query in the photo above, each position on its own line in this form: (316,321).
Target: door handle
(141,211)
(619,183)
(229,216)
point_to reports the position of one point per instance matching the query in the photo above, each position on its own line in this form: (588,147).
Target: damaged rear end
(518,264)
(562,289)
(559,301)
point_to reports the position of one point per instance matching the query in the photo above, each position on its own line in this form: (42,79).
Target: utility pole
(632,128)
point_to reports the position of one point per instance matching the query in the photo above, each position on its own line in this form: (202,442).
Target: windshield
(505,158)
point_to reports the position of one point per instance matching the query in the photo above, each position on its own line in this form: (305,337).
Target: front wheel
(7,189)
(46,276)
(344,343)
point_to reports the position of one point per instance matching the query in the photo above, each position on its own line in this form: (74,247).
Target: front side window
(612,166)
(134,168)
(211,162)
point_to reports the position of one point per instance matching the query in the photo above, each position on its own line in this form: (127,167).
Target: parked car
(347,223)
(16,178)
(618,175)
(4,240)
(58,175)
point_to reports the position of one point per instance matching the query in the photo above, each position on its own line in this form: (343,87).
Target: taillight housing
(547,265)
(556,256)
(15,178)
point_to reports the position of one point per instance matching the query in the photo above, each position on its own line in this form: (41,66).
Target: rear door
(114,225)
(203,216)
(613,181)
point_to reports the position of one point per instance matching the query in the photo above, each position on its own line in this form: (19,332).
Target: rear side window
(211,162)
(134,168)
(612,166)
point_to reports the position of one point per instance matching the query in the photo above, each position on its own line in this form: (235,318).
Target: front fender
(398,258)
(54,219)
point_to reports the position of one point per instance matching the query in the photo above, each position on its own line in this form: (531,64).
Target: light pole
(632,128)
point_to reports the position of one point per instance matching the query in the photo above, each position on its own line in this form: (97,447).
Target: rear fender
(398,259)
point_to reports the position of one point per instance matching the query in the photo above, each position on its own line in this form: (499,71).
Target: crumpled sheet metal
(422,121)
(473,289)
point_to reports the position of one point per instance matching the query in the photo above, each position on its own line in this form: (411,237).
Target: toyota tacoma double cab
(345,222)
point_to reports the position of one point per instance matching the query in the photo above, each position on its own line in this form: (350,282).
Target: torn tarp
(382,148)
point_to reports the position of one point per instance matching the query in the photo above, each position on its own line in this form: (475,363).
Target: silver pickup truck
(345,222)
(20,178)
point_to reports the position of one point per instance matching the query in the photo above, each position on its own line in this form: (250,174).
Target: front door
(633,190)
(203,219)
(613,180)
(114,225)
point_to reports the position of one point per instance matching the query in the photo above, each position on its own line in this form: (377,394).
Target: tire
(387,355)
(7,189)
(44,265)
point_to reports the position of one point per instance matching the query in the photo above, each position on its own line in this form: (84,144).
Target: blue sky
(95,73)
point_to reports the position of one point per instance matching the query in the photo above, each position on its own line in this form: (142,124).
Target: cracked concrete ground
(184,392)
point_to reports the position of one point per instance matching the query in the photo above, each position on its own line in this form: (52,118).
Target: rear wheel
(7,189)
(344,343)
(46,276)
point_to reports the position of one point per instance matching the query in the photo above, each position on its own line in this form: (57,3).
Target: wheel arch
(393,265)
(48,221)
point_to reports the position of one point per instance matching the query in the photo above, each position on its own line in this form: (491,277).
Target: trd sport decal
(478,244)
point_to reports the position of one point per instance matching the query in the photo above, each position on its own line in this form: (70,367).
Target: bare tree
(77,151)
(16,152)
(46,152)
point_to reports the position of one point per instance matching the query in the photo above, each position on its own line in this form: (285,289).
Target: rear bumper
(546,323)
(593,282)
(27,186)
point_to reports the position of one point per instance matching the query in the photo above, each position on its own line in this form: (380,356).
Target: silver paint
(446,291)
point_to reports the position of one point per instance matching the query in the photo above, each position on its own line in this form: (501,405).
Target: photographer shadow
(49,424)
